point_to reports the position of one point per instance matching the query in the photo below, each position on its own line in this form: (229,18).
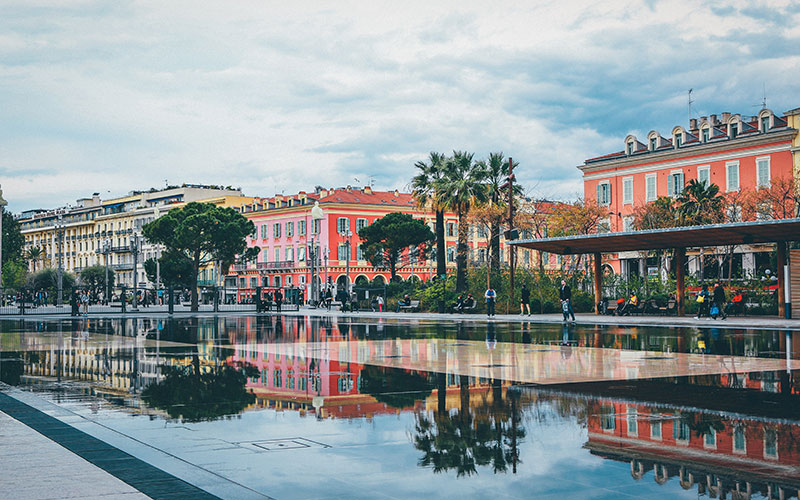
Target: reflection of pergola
(679,238)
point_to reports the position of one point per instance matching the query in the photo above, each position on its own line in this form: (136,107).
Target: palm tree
(424,188)
(699,204)
(496,171)
(34,255)
(461,188)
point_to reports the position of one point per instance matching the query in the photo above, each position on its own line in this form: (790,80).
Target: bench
(410,307)
(466,308)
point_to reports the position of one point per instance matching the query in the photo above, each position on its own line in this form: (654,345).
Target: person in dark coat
(719,300)
(525,300)
(565,294)
(278,299)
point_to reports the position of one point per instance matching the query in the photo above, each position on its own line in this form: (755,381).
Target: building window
(733,129)
(253,282)
(629,148)
(290,229)
(451,254)
(762,172)
(627,191)
(264,231)
(655,430)
(604,193)
(650,185)
(678,139)
(342,252)
(361,224)
(301,227)
(739,441)
(481,255)
(289,281)
(301,252)
(316,226)
(680,430)
(704,175)
(277,281)
(732,178)
(608,419)
(627,223)
(359,252)
(342,225)
(277,254)
(631,422)
(481,231)
(451,228)
(770,443)
(653,143)
(710,439)
(603,226)
(290,254)
(265,255)
(764,124)
(276,230)
(705,134)
(675,184)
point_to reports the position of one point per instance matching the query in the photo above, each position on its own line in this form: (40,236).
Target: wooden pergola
(678,239)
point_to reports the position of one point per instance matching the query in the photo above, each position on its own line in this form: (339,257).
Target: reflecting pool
(310,407)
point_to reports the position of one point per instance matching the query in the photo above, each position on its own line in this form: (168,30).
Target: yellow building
(92,230)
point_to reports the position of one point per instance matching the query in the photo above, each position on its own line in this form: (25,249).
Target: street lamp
(107,251)
(3,204)
(60,240)
(135,251)
(346,235)
(316,215)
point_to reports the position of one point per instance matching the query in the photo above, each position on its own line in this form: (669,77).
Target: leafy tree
(95,277)
(175,270)
(13,241)
(699,204)
(461,188)
(658,214)
(14,274)
(47,279)
(33,255)
(203,233)
(385,239)
(570,219)
(495,173)
(779,200)
(426,185)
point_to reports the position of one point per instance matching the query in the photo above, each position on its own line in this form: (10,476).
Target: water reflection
(729,435)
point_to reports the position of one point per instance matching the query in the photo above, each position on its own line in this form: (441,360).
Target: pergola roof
(738,233)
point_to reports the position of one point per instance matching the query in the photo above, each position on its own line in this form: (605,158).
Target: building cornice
(688,153)
(637,167)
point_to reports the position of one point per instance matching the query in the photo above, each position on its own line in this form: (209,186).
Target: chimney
(396,192)
(714,121)
(704,119)
(725,116)
(367,190)
(693,124)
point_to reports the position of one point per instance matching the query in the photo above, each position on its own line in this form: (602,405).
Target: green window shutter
(599,194)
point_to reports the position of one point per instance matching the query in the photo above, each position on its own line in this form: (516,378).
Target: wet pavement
(300,407)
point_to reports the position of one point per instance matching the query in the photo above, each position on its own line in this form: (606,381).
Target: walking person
(525,300)
(278,299)
(719,302)
(85,303)
(491,298)
(703,298)
(565,294)
(380,303)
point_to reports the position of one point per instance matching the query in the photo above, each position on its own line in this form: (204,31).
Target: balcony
(122,267)
(280,264)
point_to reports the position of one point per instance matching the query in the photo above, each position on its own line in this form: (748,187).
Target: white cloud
(275,96)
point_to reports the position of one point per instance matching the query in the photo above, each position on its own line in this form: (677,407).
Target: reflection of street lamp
(316,216)
(3,204)
(60,236)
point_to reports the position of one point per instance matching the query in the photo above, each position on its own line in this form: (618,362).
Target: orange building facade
(735,152)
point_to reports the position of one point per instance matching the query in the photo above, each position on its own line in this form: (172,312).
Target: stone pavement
(37,468)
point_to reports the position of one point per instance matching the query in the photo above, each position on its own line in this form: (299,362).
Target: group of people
(564,295)
(712,304)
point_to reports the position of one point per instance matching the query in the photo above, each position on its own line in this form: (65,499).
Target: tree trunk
(461,255)
(195,273)
(441,249)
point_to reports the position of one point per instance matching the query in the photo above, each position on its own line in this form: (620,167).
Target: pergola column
(680,259)
(598,283)
(781,257)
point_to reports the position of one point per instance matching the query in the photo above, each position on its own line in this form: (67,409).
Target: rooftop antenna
(690,103)
(764,99)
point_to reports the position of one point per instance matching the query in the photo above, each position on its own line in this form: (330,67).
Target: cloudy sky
(111,96)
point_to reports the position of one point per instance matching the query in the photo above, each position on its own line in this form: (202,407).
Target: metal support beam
(781,257)
(680,262)
(598,283)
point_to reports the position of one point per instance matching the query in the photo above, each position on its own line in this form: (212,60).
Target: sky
(278,97)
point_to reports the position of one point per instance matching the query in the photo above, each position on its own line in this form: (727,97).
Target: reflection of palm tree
(464,439)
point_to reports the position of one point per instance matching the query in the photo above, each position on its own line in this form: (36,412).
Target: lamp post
(3,204)
(346,235)
(316,215)
(60,240)
(135,251)
(107,251)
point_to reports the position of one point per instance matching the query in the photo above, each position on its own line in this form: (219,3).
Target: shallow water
(312,421)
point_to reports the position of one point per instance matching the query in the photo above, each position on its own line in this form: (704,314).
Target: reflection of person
(491,336)
(491,298)
(73,302)
(565,294)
